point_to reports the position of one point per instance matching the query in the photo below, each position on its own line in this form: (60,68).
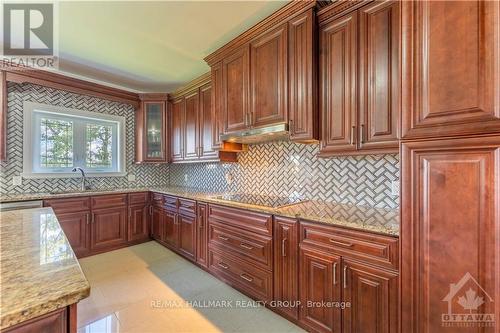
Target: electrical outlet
(185,177)
(17,180)
(395,188)
(131,178)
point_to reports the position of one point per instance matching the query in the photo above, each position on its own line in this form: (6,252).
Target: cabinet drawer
(244,219)
(70,205)
(138,198)
(251,280)
(170,202)
(157,199)
(379,249)
(114,200)
(243,244)
(187,206)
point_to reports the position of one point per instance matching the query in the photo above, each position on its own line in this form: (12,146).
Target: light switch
(131,178)
(17,180)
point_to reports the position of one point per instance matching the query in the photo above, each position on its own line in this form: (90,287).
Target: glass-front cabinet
(151,130)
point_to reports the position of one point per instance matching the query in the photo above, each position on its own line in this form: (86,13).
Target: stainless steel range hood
(258,135)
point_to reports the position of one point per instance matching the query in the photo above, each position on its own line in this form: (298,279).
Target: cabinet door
(109,228)
(177,136)
(379,83)
(191,131)
(450,231)
(202,235)
(451,57)
(268,78)
(76,228)
(138,222)
(187,235)
(373,297)
(206,119)
(157,223)
(217,102)
(302,111)
(235,85)
(338,97)
(155,133)
(319,283)
(286,262)
(171,233)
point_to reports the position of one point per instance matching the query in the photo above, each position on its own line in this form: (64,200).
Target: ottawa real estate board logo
(467,305)
(28,35)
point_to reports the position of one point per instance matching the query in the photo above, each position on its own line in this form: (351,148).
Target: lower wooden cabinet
(286,269)
(186,224)
(59,321)
(202,235)
(170,233)
(76,227)
(138,226)
(109,228)
(157,223)
(372,294)
(320,290)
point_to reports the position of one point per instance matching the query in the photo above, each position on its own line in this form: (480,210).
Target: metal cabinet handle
(341,243)
(150,210)
(353,129)
(246,277)
(251,118)
(87,216)
(223,238)
(246,119)
(362,133)
(200,222)
(291,128)
(245,246)
(283,249)
(335,273)
(223,265)
(129,212)
(345,277)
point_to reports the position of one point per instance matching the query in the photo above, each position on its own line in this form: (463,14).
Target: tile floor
(147,288)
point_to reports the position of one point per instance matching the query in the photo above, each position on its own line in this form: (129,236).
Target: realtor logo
(466,303)
(28,35)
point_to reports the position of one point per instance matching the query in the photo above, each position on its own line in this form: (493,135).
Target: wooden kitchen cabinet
(109,228)
(217,111)
(359,80)
(157,224)
(320,282)
(373,297)
(186,224)
(202,235)
(171,229)
(151,129)
(138,222)
(451,57)
(236,87)
(178,106)
(268,78)
(303,117)
(76,227)
(450,228)
(286,265)
(192,120)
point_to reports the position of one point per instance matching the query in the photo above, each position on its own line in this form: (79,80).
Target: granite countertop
(38,269)
(379,220)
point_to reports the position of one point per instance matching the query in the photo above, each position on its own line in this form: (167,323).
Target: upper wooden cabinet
(267,75)
(451,58)
(268,78)
(359,80)
(151,129)
(192,121)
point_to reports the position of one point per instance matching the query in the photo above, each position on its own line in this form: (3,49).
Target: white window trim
(30,107)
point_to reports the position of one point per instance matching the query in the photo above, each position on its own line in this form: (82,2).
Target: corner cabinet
(359,80)
(192,118)
(151,129)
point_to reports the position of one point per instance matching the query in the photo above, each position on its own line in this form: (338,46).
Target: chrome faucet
(83,185)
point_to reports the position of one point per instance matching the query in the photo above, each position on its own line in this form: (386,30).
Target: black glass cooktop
(260,200)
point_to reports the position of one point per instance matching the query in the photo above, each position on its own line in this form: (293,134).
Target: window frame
(31,116)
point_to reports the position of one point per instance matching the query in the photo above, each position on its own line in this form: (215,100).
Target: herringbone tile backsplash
(287,168)
(146,175)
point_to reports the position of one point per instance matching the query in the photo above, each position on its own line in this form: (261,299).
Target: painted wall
(146,175)
(286,168)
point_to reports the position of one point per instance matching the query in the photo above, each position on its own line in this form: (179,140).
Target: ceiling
(149,46)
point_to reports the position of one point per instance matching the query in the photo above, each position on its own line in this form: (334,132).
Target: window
(56,140)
